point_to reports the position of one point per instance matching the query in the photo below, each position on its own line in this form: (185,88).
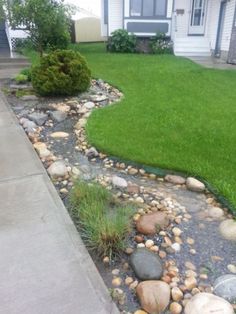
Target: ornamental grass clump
(104,226)
(62,72)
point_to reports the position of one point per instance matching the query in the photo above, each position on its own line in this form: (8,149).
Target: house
(197,27)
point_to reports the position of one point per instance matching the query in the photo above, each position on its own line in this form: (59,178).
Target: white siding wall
(227,30)
(115,9)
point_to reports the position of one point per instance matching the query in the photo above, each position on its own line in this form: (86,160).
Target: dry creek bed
(179,268)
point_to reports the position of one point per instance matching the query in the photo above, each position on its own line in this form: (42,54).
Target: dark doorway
(232,48)
(220,28)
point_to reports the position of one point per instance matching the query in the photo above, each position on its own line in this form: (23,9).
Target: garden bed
(191,248)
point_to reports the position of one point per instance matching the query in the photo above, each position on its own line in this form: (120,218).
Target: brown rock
(139,238)
(133,189)
(152,223)
(153,295)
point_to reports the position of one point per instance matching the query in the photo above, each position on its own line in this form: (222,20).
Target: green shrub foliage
(21,79)
(27,73)
(62,72)
(161,44)
(122,41)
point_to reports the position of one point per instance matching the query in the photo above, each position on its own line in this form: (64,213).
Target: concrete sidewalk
(44,266)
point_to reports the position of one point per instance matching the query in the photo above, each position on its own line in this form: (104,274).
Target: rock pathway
(183,240)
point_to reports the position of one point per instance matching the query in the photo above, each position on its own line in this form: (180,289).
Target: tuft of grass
(103,225)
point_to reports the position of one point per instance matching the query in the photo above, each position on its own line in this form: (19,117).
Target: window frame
(151,16)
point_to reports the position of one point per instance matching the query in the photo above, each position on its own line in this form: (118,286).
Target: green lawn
(175,115)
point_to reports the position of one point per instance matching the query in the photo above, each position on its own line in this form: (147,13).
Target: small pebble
(133,285)
(106,260)
(128,280)
(116,282)
(176,231)
(162,254)
(115,272)
(149,243)
(232,268)
(175,308)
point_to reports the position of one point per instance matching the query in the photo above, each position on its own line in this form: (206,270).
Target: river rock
(42,150)
(59,135)
(215,212)
(80,124)
(146,264)
(58,116)
(225,287)
(152,223)
(228,229)
(206,303)
(153,295)
(38,118)
(92,152)
(57,169)
(89,105)
(119,182)
(29,126)
(175,179)
(195,185)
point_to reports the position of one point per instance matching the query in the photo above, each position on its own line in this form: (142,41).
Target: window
(148,8)
(161,7)
(136,8)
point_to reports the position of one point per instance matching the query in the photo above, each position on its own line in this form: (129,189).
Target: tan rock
(195,185)
(140,312)
(177,294)
(154,296)
(116,282)
(206,303)
(128,280)
(228,229)
(175,308)
(190,283)
(176,231)
(175,179)
(59,135)
(152,223)
(190,265)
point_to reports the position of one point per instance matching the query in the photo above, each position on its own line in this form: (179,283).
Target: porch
(203,28)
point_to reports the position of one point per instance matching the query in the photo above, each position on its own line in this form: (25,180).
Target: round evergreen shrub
(62,72)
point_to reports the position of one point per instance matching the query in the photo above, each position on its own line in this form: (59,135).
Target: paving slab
(44,265)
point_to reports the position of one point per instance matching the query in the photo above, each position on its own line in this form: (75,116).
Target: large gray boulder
(207,303)
(225,287)
(58,116)
(146,264)
(58,169)
(38,117)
